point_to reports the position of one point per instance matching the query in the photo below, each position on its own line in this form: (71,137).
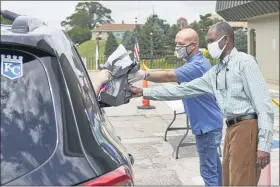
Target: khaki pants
(240,155)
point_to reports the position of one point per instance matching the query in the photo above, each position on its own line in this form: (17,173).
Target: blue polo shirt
(203,112)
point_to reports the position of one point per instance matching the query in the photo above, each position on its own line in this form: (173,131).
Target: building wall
(103,35)
(184,23)
(267,44)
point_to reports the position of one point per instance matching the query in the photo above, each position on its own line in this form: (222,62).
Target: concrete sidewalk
(155,164)
(142,133)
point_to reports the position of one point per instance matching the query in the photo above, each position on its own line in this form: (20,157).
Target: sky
(53,12)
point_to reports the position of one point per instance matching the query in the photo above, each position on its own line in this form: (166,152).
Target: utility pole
(152,46)
(97,51)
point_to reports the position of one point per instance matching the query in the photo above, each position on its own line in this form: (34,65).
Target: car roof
(37,34)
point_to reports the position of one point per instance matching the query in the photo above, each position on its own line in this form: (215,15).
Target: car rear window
(28,127)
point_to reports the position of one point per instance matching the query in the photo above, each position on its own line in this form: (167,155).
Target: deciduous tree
(98,14)
(79,35)
(86,17)
(88,14)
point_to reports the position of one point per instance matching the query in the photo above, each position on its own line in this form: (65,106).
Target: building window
(253,42)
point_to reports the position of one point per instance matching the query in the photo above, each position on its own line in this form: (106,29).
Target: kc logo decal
(11,66)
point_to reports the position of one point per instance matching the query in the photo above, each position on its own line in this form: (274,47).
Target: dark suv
(53,130)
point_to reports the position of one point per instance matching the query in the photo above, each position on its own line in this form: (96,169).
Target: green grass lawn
(87,49)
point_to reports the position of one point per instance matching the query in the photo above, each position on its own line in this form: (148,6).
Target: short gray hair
(224,28)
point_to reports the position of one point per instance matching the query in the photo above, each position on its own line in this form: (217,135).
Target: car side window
(28,125)
(86,84)
(86,112)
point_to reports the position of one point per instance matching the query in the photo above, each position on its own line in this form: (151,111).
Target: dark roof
(234,24)
(181,18)
(116,27)
(243,10)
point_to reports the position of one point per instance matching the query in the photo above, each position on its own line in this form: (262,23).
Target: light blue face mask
(181,51)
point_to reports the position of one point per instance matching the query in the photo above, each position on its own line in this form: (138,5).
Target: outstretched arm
(161,76)
(102,77)
(194,88)
(156,76)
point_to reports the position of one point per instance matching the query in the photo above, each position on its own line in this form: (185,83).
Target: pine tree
(129,40)
(202,36)
(170,39)
(240,40)
(111,45)
(156,26)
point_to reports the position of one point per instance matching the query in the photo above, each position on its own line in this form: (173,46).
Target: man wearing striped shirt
(206,118)
(243,97)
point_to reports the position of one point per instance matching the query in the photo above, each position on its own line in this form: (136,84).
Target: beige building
(262,19)
(118,30)
(263,43)
(234,24)
(182,23)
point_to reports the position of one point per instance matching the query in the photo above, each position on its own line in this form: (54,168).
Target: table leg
(188,128)
(174,118)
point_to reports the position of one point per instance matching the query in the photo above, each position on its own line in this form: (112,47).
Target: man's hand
(136,92)
(137,76)
(104,76)
(263,158)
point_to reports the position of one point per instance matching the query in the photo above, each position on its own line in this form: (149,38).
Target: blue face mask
(181,51)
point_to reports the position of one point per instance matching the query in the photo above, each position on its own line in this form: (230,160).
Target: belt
(234,120)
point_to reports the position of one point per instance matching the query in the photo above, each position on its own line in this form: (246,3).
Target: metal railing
(155,62)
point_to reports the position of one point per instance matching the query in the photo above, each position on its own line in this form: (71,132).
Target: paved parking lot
(142,133)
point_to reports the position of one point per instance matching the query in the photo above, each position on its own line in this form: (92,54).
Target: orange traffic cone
(145,102)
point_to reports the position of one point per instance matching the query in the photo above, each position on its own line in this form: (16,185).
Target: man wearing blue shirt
(206,119)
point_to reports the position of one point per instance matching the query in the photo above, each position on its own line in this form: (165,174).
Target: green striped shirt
(239,88)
